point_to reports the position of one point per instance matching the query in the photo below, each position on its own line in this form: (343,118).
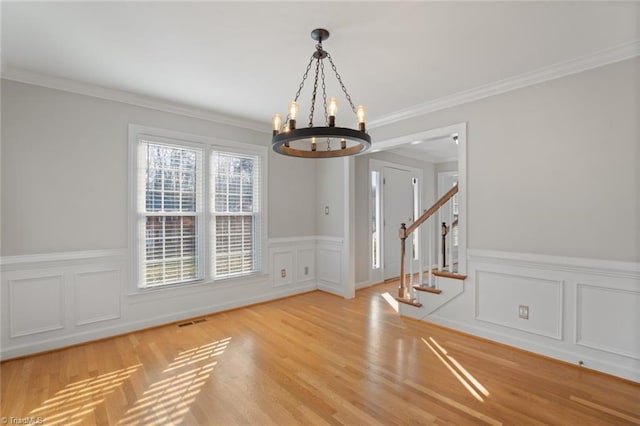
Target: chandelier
(320,141)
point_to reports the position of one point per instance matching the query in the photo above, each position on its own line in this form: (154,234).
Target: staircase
(427,290)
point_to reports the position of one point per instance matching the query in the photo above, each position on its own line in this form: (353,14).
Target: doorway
(397,209)
(380,232)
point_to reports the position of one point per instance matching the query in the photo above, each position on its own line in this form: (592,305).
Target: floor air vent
(198,321)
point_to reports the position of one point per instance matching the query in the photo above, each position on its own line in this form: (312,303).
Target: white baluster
(450,235)
(430,239)
(420,256)
(440,254)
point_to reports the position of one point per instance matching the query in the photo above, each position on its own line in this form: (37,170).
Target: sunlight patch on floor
(459,372)
(167,400)
(76,400)
(390,300)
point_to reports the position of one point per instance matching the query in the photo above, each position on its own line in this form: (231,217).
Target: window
(236,213)
(375,219)
(171,214)
(198,208)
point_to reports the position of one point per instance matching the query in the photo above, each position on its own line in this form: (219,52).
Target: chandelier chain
(304,77)
(292,139)
(324,103)
(324,95)
(344,89)
(315,90)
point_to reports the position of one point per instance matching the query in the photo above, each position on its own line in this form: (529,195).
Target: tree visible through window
(198,208)
(236,213)
(171,214)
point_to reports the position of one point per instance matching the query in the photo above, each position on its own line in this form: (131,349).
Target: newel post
(403,292)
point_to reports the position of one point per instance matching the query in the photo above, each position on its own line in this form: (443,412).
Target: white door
(397,209)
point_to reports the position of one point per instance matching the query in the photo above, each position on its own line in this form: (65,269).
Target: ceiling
(246,59)
(434,150)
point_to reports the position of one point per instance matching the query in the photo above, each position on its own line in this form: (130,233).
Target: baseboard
(82,337)
(565,356)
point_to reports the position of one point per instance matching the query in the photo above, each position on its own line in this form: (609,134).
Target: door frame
(460,130)
(377,275)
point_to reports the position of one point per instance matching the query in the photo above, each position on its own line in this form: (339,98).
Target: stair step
(447,274)
(427,289)
(409,302)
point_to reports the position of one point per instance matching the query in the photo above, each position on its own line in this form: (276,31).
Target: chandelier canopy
(320,141)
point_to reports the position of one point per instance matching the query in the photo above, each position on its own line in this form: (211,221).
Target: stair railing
(404,290)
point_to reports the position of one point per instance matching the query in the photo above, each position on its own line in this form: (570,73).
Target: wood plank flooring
(313,359)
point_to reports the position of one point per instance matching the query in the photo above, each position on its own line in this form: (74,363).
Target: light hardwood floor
(312,359)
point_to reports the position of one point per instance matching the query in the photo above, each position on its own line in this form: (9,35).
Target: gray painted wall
(552,168)
(330,187)
(64,171)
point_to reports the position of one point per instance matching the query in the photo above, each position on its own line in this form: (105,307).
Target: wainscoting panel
(55,300)
(330,267)
(582,311)
(283,272)
(296,256)
(37,304)
(97,296)
(306,264)
(499,297)
(617,331)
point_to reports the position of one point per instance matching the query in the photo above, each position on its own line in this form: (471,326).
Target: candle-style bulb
(277,122)
(361,116)
(293,110)
(293,113)
(332,110)
(313,144)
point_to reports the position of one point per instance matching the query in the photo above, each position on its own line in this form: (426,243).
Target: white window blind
(235,206)
(196,208)
(170,182)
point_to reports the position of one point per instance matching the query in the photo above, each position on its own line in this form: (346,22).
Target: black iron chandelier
(320,141)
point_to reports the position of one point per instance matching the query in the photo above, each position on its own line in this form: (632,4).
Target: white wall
(330,183)
(554,220)
(292,196)
(64,208)
(552,168)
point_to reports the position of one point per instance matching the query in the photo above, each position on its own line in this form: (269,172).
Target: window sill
(199,286)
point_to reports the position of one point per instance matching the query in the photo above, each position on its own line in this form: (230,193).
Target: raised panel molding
(608,319)
(598,322)
(292,254)
(498,296)
(329,265)
(283,264)
(97,296)
(36,304)
(306,265)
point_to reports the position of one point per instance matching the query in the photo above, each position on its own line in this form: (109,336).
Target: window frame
(205,238)
(258,183)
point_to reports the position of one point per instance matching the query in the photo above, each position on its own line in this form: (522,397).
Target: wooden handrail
(403,289)
(426,215)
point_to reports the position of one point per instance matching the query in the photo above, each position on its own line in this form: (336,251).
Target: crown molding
(67,85)
(598,59)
